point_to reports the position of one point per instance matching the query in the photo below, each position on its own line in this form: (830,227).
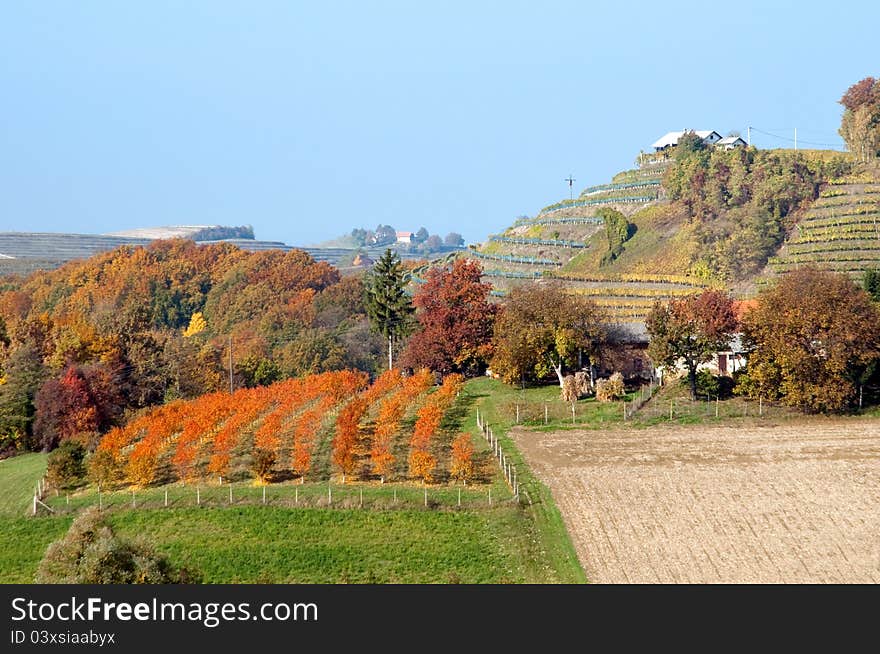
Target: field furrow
(791,503)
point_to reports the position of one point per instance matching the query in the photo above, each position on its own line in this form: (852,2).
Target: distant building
(731,142)
(404,237)
(670,139)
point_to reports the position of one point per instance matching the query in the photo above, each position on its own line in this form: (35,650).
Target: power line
(786,138)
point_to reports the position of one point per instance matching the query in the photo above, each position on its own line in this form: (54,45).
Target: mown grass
(548,546)
(23,539)
(18,476)
(274,545)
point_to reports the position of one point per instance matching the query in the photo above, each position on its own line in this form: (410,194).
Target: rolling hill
(712,218)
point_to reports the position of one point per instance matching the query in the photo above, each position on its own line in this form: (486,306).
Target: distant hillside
(690,219)
(22,253)
(194,232)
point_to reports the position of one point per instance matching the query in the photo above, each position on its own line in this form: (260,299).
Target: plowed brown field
(793,503)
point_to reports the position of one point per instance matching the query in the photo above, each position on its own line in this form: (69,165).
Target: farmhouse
(670,139)
(731,142)
(404,237)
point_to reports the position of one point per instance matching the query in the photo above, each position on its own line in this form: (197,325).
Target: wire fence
(389,496)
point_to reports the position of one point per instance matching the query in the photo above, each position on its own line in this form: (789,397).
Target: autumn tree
(691,331)
(542,330)
(462,467)
(83,400)
(196,325)
(455,321)
(387,304)
(261,464)
(347,430)
(812,337)
(860,124)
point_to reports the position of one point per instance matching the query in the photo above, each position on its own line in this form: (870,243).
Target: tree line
(811,340)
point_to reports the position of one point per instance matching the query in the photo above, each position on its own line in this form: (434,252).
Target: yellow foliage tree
(197,325)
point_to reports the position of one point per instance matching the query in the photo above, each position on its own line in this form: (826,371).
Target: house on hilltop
(404,237)
(731,142)
(670,139)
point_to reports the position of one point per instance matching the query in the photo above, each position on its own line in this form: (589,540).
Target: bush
(90,553)
(608,390)
(64,466)
(712,385)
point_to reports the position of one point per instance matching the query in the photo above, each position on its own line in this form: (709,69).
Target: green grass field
(23,539)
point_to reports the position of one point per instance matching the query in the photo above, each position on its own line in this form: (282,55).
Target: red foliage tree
(82,400)
(691,330)
(455,321)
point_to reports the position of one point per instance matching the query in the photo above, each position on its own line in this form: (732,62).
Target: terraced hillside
(839,231)
(566,241)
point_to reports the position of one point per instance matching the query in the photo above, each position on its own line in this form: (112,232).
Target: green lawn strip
(18,477)
(276,545)
(546,543)
(23,540)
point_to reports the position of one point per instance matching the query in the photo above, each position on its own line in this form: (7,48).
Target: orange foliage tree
(430,416)
(347,429)
(391,412)
(462,467)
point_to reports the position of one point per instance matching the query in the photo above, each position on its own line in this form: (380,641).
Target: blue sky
(308,119)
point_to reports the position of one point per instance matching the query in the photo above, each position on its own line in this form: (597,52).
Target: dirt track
(788,504)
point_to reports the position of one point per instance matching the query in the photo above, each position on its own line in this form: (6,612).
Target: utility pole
(749,137)
(571,180)
(230,364)
(795,139)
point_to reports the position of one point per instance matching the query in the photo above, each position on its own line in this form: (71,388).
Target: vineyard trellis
(571,204)
(522,240)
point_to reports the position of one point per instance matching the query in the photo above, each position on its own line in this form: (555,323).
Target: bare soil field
(791,503)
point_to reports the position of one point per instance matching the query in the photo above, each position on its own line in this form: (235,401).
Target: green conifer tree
(388,306)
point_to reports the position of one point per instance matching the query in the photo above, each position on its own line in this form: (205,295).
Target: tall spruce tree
(388,306)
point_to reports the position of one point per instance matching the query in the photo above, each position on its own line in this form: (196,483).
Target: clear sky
(306,119)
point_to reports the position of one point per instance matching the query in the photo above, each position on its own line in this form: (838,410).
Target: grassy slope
(23,539)
(549,545)
(276,545)
(662,245)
